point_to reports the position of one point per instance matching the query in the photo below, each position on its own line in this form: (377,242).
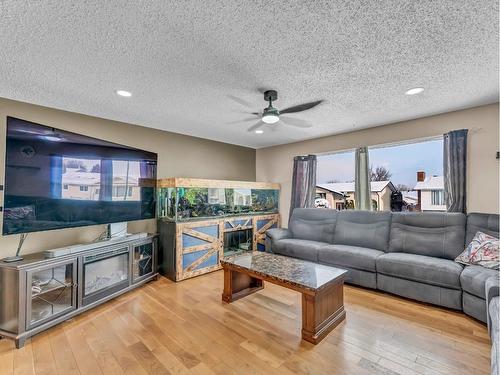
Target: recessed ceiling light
(414,91)
(259,131)
(124,93)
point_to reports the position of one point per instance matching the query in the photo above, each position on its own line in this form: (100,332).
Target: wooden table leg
(238,285)
(322,312)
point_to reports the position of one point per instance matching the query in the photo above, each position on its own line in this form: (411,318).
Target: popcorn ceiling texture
(184,61)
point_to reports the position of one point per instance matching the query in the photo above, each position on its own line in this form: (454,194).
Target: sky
(403,161)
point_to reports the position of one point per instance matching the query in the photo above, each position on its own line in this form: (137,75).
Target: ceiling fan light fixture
(270,115)
(270,119)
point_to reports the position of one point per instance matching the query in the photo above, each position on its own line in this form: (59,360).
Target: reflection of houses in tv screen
(82,179)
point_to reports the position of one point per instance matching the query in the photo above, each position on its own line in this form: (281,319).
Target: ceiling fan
(271,115)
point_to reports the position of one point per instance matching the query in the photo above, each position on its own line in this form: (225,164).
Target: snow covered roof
(431,183)
(348,187)
(410,197)
(81,178)
(322,186)
(75,177)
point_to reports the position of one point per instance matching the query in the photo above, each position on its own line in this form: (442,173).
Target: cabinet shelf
(148,258)
(51,289)
(143,261)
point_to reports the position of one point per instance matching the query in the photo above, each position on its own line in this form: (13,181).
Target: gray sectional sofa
(493,308)
(408,254)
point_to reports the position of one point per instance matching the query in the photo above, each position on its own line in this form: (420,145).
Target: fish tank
(213,199)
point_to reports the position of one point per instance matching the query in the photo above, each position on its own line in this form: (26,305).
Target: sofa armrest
(492,290)
(276,234)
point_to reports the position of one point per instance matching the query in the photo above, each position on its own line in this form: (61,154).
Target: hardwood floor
(184,328)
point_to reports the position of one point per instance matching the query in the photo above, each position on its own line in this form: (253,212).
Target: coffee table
(322,287)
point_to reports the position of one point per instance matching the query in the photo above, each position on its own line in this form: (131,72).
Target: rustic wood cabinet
(193,248)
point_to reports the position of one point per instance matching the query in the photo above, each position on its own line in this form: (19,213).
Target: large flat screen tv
(58,179)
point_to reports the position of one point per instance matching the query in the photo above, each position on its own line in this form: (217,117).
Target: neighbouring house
(410,199)
(341,194)
(83,185)
(430,192)
(327,198)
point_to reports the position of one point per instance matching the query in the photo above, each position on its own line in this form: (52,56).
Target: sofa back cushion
(486,223)
(315,224)
(363,228)
(440,235)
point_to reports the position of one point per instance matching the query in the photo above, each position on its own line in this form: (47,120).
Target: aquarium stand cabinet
(40,292)
(194,248)
(200,221)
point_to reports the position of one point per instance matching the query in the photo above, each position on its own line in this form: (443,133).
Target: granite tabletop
(299,272)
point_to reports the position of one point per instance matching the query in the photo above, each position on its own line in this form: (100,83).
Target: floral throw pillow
(484,250)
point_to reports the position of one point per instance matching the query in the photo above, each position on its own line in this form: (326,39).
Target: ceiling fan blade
(301,107)
(255,126)
(298,123)
(240,121)
(243,102)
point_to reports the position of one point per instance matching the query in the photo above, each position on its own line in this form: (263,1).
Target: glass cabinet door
(51,292)
(143,261)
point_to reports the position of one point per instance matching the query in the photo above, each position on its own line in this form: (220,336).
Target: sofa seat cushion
(473,279)
(421,268)
(356,257)
(301,249)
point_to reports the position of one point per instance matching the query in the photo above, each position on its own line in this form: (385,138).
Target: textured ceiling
(186,61)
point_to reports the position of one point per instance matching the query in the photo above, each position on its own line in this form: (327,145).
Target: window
(118,179)
(216,196)
(335,181)
(81,174)
(398,172)
(126,176)
(437,197)
(118,191)
(409,168)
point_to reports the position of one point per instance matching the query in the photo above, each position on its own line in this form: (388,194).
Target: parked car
(321,203)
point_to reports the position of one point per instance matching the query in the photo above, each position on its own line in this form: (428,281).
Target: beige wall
(274,164)
(178,155)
